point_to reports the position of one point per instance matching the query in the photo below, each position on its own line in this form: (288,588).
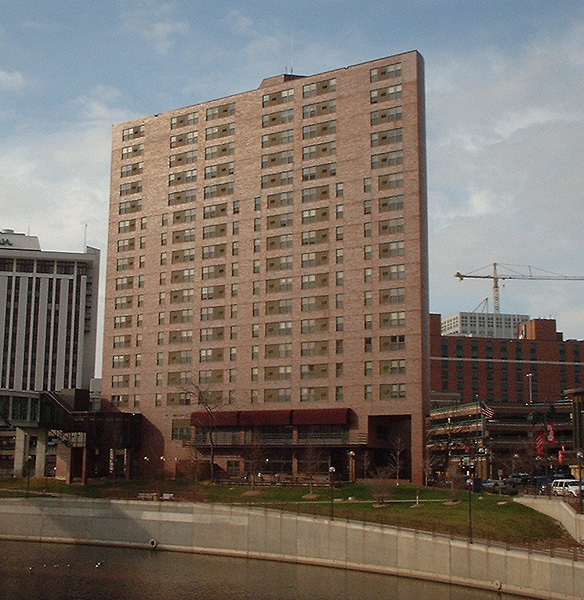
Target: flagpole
(486,412)
(482,430)
(545,449)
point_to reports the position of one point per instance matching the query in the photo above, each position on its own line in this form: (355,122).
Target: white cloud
(505,178)
(239,22)
(154,22)
(12,81)
(56,184)
(96,105)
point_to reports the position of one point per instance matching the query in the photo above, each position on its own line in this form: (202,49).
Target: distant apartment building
(523,379)
(48,308)
(536,366)
(483,324)
(267,256)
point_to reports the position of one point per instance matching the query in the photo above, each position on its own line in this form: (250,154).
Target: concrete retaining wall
(559,510)
(274,535)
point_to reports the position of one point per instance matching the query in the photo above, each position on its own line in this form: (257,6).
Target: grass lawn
(494,517)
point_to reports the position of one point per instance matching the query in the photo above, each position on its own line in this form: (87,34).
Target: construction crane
(496,277)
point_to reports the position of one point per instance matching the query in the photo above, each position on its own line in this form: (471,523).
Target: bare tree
(520,457)
(366,462)
(254,454)
(204,399)
(395,457)
(312,459)
(381,476)
(431,463)
(456,481)
(194,458)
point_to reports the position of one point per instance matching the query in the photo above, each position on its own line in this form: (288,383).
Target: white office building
(48,315)
(483,324)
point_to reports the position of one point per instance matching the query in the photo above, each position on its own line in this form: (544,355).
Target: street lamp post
(580,456)
(513,463)
(331,477)
(352,474)
(162,475)
(470,509)
(530,384)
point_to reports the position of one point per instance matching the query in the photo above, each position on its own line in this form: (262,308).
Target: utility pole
(332,480)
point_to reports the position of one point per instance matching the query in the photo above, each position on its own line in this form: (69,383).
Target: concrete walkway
(557,509)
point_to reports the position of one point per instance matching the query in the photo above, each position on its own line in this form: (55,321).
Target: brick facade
(271,247)
(537,367)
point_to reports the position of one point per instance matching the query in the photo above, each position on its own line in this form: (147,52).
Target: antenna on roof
(292,67)
(85,236)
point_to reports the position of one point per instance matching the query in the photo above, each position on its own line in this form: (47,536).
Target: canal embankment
(274,535)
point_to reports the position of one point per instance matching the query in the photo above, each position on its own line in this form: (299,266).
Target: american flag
(486,410)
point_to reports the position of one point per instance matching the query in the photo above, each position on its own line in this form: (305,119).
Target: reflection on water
(30,570)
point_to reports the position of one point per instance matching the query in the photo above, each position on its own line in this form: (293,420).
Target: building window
(367,321)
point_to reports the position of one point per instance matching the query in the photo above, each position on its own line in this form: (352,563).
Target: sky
(504,109)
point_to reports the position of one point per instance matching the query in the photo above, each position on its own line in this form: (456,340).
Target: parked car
(559,487)
(575,489)
(519,478)
(499,486)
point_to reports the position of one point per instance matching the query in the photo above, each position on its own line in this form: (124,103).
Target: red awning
(264,418)
(321,416)
(257,418)
(220,418)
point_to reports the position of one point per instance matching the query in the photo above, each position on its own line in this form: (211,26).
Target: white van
(574,488)
(559,487)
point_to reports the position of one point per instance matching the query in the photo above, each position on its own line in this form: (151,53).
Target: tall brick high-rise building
(269,249)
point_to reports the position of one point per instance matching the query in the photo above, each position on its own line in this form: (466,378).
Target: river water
(36,571)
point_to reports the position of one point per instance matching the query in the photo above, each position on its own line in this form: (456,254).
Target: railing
(221,441)
(357,438)
(546,491)
(73,439)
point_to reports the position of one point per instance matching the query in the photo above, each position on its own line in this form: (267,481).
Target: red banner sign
(540,444)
